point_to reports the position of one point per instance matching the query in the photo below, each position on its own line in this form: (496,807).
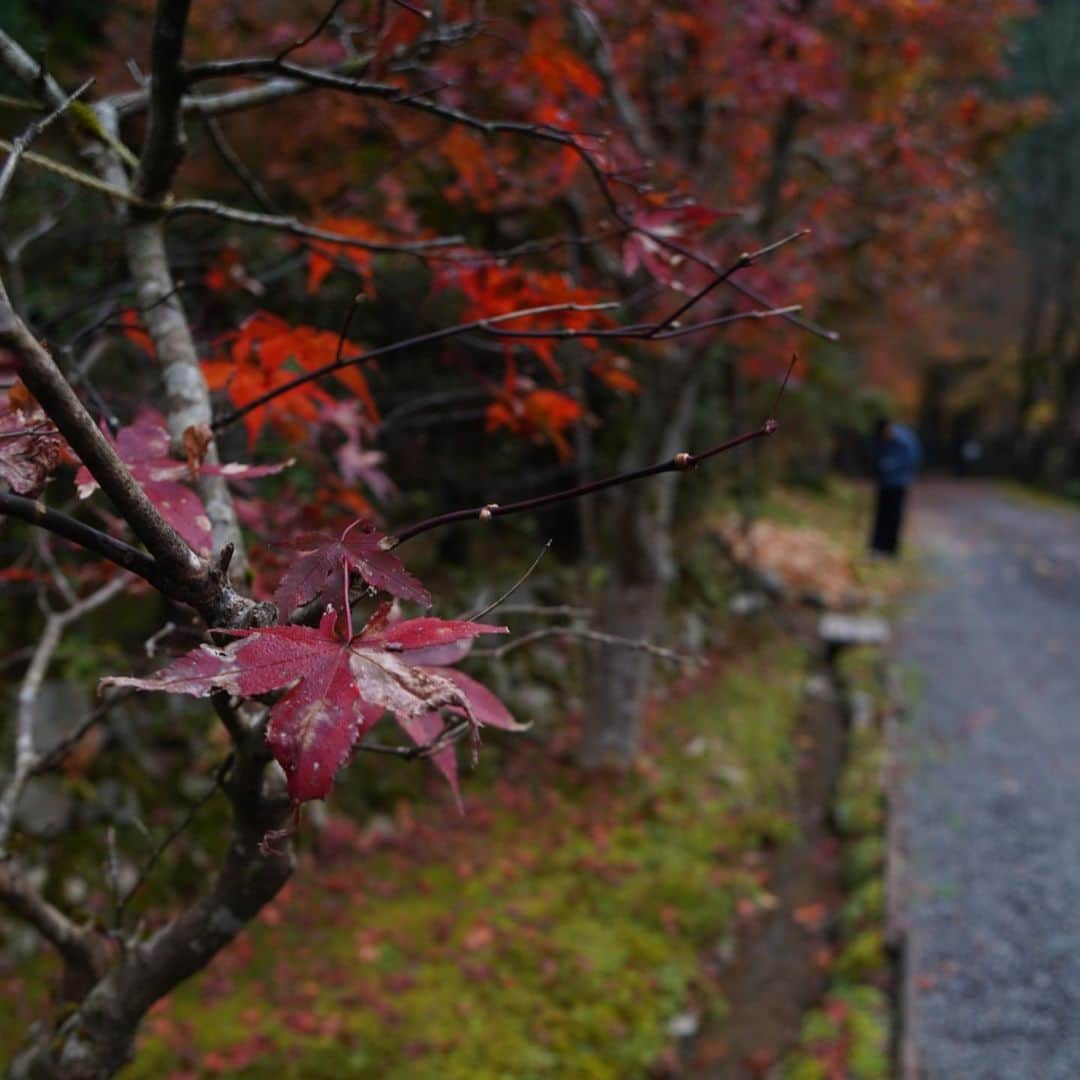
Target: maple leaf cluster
(336,685)
(145,448)
(264,353)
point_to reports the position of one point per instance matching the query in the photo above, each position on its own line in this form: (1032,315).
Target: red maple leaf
(30,445)
(265,353)
(537,414)
(680,223)
(144,448)
(491,290)
(324,564)
(336,688)
(322,254)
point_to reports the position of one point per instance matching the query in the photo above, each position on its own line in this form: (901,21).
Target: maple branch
(35,512)
(746,259)
(319,27)
(644,331)
(295,227)
(491,326)
(394,95)
(586,634)
(163,146)
(795,320)
(236,165)
(43,378)
(679,463)
(229,101)
(171,837)
(429,338)
(451,734)
(23,141)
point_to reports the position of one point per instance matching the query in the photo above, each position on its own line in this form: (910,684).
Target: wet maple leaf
(336,688)
(30,446)
(324,562)
(144,448)
(487,710)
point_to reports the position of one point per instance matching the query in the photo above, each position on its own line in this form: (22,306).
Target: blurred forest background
(589,913)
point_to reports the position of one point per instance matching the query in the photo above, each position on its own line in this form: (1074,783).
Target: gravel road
(990,790)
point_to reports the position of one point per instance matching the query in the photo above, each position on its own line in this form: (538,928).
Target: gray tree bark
(640,518)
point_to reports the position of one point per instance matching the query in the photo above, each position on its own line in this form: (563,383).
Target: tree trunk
(639,522)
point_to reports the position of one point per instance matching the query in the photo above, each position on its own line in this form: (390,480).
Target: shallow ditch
(778,969)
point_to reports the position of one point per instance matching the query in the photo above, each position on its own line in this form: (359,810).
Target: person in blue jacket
(897,457)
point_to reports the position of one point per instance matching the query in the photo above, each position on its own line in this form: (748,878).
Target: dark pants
(887,519)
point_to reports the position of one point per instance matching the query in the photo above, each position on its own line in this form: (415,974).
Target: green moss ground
(554,931)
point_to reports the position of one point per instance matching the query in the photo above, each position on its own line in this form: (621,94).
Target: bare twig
(34,512)
(26,757)
(451,734)
(232,159)
(513,588)
(295,227)
(585,634)
(81,948)
(746,259)
(77,176)
(22,142)
(682,462)
(320,26)
(59,578)
(171,837)
(55,756)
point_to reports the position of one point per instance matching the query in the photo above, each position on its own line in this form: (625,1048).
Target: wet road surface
(989,790)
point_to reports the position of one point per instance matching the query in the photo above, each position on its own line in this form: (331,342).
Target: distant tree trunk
(1030,357)
(1053,461)
(640,518)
